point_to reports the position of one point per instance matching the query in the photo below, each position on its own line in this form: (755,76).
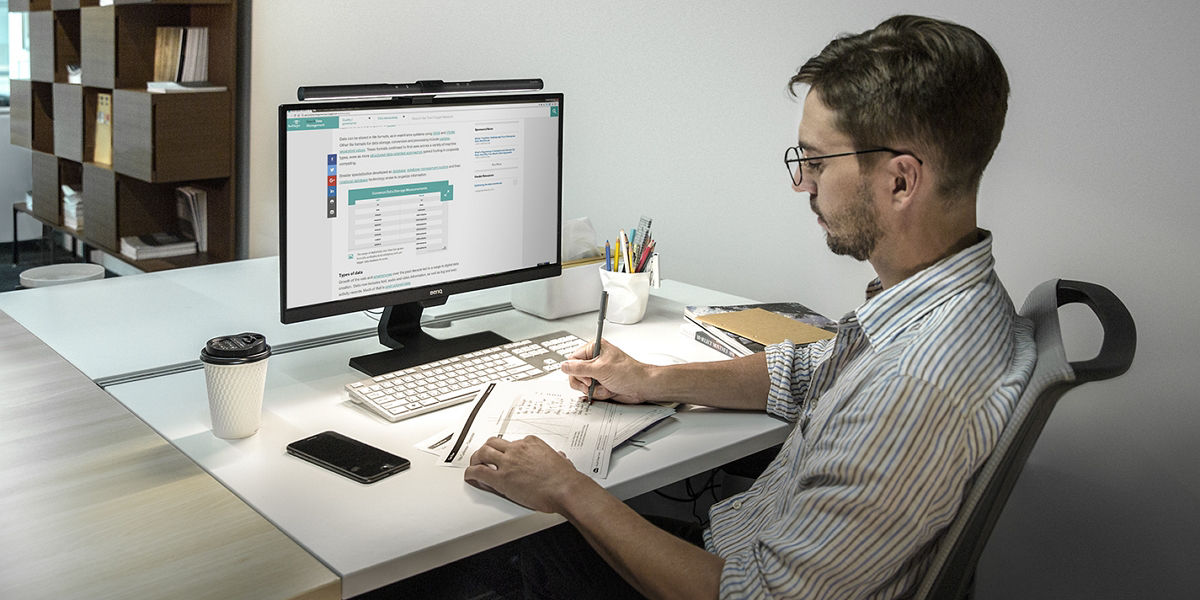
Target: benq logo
(435,292)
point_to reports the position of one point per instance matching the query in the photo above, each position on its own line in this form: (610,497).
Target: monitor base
(422,349)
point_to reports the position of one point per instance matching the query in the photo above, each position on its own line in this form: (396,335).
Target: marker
(599,332)
(646,252)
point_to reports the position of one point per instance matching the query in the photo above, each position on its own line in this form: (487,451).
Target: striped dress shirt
(893,416)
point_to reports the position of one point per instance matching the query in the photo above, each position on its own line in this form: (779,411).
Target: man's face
(839,193)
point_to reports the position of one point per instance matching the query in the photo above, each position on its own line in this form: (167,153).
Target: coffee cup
(235,371)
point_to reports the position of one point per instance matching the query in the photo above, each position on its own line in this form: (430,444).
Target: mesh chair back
(953,566)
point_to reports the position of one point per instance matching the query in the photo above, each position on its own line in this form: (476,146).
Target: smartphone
(347,456)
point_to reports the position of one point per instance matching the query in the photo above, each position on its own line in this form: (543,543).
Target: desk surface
(93,504)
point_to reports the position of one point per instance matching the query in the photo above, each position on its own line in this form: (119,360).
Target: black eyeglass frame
(797,172)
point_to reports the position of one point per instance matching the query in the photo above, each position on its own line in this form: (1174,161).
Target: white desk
(370,535)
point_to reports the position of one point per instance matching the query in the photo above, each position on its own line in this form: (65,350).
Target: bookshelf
(159,141)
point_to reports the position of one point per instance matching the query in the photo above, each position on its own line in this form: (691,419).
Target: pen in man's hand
(599,332)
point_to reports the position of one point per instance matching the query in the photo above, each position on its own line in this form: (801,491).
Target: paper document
(549,409)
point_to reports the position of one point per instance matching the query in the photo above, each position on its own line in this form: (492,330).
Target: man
(895,414)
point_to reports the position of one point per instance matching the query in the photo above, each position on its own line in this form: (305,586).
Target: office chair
(951,573)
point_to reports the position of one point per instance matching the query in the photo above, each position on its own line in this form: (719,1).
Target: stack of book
(156,245)
(72,208)
(181,54)
(743,329)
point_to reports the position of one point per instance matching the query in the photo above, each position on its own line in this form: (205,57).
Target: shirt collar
(888,312)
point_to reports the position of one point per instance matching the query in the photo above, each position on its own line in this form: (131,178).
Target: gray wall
(678,110)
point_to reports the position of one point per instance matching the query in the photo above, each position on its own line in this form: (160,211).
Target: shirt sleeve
(790,368)
(882,481)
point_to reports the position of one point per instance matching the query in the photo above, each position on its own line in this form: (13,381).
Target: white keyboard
(425,388)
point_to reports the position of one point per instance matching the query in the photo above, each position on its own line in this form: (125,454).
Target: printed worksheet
(586,432)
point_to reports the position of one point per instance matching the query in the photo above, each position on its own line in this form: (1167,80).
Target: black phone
(347,456)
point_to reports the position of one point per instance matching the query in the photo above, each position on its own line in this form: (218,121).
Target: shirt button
(737,505)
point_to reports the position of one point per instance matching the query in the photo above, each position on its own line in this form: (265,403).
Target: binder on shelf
(191,206)
(102,154)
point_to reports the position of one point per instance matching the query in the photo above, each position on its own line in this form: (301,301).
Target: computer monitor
(399,203)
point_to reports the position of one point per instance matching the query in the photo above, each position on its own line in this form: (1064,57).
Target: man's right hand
(618,376)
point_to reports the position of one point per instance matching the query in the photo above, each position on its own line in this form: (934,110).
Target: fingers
(486,455)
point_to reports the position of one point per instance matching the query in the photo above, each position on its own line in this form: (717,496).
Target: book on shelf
(102,153)
(181,54)
(182,87)
(748,328)
(191,206)
(156,245)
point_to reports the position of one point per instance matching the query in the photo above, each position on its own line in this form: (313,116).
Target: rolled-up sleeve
(790,368)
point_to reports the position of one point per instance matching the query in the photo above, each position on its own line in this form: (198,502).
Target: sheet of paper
(549,409)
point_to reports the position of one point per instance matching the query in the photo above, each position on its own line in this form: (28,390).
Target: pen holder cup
(628,294)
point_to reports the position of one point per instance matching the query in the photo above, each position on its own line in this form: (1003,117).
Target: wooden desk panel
(95,504)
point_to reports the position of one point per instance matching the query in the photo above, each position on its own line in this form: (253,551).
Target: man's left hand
(528,472)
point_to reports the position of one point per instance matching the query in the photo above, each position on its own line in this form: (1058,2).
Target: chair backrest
(953,566)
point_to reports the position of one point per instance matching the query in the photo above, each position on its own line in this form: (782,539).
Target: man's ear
(907,178)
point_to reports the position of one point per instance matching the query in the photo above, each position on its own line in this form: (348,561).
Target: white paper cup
(235,394)
(235,372)
(628,294)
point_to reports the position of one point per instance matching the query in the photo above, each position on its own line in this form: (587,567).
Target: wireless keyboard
(425,388)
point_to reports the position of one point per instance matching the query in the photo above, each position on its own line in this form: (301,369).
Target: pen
(599,332)
(442,441)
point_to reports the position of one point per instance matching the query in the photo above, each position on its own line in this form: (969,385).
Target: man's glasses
(795,161)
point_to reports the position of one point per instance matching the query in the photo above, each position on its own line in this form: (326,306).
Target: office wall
(678,110)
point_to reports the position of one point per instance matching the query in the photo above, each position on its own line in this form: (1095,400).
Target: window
(14,51)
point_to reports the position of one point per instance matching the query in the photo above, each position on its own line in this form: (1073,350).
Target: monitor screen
(401,202)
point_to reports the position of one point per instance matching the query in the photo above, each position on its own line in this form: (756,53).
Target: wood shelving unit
(159,141)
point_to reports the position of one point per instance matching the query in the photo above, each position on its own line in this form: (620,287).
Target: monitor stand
(400,329)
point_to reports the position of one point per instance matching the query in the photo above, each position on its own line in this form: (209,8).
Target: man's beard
(857,228)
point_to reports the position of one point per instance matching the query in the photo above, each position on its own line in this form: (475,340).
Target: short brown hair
(916,80)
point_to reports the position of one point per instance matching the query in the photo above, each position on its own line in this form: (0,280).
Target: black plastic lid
(236,349)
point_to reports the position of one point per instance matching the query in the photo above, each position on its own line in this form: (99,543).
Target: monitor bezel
(427,295)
